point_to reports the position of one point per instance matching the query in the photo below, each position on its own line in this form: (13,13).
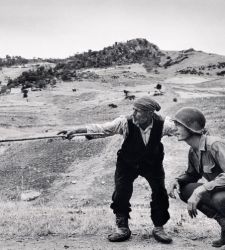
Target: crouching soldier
(206,159)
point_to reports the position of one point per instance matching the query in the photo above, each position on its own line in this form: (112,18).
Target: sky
(62,28)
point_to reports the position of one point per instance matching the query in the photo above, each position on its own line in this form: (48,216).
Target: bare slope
(76,177)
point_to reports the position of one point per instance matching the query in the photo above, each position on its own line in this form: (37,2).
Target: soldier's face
(141,117)
(182,133)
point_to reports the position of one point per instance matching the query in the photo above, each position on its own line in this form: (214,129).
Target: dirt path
(100,243)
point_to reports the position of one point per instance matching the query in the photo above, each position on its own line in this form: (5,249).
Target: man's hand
(70,134)
(194,200)
(174,186)
(67,134)
(63,132)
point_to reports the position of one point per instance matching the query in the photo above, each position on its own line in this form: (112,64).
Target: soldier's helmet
(192,119)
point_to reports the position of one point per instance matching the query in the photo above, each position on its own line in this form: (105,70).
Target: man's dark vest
(134,151)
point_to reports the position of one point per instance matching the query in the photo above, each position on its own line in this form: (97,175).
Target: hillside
(133,51)
(75,178)
(185,62)
(193,62)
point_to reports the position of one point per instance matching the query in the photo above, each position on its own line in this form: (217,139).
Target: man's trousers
(124,179)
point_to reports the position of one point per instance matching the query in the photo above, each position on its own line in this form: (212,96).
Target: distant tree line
(11,61)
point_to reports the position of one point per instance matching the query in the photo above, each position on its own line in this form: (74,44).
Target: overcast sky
(61,28)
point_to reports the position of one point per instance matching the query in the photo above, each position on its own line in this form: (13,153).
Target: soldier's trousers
(211,203)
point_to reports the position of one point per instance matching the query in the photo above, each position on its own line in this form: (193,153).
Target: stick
(48,137)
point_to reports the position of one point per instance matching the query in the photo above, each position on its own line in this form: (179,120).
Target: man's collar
(148,128)
(202,143)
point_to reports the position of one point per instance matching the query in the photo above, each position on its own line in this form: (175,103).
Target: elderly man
(206,159)
(141,154)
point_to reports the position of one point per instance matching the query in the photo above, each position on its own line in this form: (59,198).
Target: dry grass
(20,219)
(23,220)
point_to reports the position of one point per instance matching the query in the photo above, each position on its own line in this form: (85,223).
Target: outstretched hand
(67,134)
(70,135)
(63,132)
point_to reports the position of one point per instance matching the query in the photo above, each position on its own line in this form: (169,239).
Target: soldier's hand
(175,186)
(194,200)
(192,204)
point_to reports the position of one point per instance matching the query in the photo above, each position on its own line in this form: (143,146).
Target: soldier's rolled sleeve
(218,152)
(217,183)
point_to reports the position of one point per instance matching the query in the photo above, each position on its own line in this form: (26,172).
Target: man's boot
(220,242)
(161,236)
(123,231)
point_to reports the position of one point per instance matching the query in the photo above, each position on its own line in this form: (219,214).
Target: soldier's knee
(218,200)
(183,196)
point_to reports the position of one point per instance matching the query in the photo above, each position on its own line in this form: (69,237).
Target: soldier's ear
(150,113)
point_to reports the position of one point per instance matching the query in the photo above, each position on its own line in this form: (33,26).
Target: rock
(175,99)
(29,195)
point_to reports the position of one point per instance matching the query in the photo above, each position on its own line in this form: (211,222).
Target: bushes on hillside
(190,70)
(133,51)
(38,78)
(221,73)
(201,70)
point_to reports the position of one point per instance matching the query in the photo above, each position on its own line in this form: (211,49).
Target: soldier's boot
(123,231)
(220,242)
(161,236)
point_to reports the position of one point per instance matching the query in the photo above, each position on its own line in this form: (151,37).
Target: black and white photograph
(112,124)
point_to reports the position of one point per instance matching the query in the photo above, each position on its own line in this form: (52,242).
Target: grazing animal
(158,86)
(111,105)
(126,92)
(175,99)
(157,92)
(130,97)
(25,93)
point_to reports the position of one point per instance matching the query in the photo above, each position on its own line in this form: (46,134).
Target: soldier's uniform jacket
(207,162)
